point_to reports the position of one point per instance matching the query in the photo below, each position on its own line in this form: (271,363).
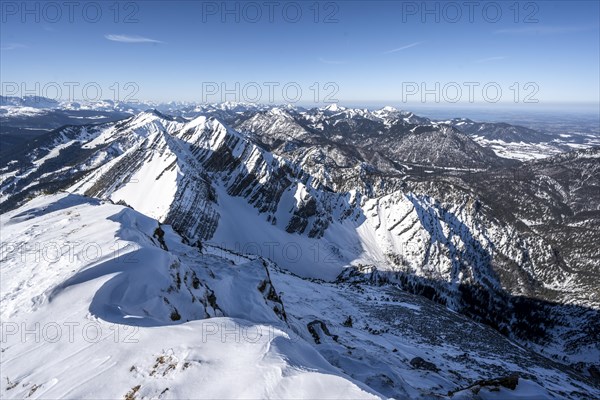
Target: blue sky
(368,52)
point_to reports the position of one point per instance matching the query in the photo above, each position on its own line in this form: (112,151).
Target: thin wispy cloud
(131,39)
(489,59)
(12,46)
(333,62)
(408,46)
(544,30)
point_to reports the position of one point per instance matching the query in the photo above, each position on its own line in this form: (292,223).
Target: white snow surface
(70,298)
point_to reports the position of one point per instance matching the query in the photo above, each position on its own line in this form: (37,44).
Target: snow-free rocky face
(346,234)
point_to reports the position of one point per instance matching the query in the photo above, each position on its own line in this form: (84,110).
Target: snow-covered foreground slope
(116,314)
(100,301)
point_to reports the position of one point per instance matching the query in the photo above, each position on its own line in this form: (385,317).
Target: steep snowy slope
(95,293)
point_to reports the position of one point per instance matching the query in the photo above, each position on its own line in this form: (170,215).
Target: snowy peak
(333,108)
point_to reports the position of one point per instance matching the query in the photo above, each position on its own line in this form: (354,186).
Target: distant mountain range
(26,117)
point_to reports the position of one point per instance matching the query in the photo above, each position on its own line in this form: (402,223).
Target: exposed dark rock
(315,326)
(509,382)
(420,363)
